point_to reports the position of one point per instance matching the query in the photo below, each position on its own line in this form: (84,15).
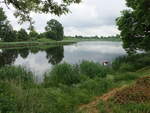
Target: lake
(41,60)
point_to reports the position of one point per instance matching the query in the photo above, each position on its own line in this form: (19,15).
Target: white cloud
(92,31)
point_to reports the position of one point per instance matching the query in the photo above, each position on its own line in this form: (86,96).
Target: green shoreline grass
(33,44)
(48,42)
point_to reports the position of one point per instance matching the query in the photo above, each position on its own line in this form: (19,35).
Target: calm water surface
(41,60)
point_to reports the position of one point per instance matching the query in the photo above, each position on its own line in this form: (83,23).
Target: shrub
(62,74)
(92,70)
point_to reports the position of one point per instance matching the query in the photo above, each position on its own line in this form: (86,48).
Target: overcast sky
(89,18)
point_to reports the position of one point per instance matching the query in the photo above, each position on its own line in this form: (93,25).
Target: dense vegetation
(67,86)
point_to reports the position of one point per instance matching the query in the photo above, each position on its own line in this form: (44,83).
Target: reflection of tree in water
(23,52)
(8,56)
(55,54)
(34,50)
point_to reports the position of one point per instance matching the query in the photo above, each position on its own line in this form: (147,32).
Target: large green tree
(25,7)
(134,25)
(54,30)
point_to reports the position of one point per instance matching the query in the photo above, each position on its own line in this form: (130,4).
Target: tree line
(53,30)
(95,37)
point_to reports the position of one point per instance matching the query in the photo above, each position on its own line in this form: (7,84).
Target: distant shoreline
(66,41)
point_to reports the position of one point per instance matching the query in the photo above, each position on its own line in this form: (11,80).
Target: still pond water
(41,60)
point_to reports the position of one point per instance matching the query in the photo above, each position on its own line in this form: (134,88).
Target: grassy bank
(41,42)
(67,86)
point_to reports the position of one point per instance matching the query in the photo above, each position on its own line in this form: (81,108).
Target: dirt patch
(139,92)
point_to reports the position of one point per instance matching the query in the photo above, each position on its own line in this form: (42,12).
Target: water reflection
(41,60)
(7,57)
(23,52)
(55,55)
(93,51)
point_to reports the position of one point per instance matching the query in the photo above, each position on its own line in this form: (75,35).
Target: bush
(62,74)
(92,69)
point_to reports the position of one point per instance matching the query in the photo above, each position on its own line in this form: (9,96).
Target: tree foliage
(54,30)
(25,7)
(22,35)
(6,31)
(33,35)
(134,25)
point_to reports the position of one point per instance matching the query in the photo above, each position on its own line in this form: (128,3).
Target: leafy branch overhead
(134,25)
(25,7)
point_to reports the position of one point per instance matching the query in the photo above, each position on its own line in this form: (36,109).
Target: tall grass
(18,75)
(7,100)
(131,63)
